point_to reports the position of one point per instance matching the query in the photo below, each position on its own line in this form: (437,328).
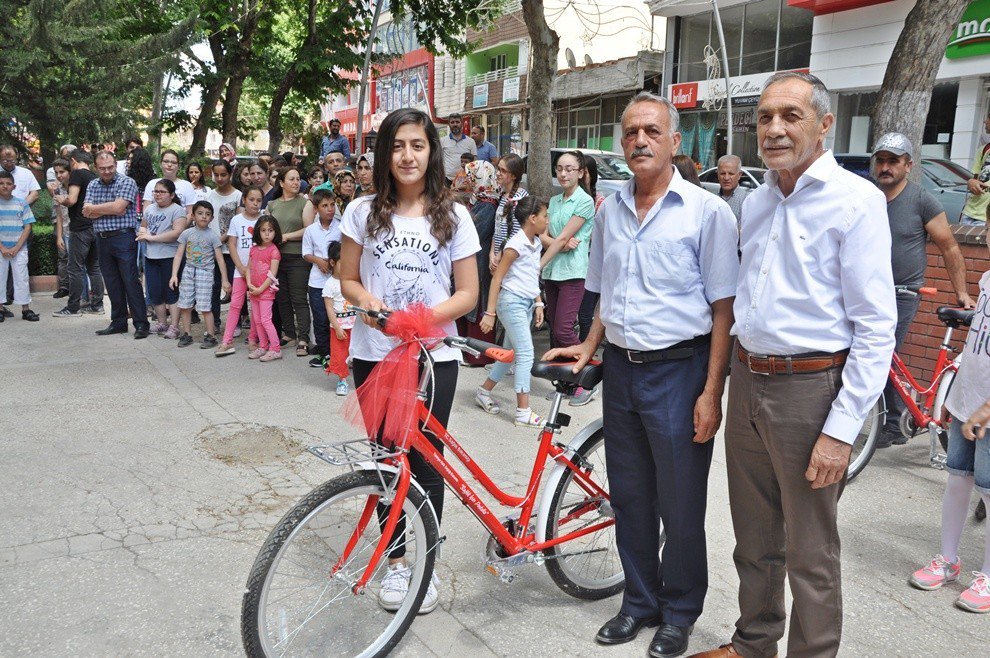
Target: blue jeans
(972,221)
(321,322)
(965,457)
(118,264)
(515,313)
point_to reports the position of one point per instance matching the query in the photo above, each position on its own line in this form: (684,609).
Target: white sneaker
(395,586)
(432,598)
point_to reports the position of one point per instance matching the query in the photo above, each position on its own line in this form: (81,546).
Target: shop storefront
(850,53)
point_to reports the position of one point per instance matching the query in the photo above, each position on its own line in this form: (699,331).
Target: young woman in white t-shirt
(514,298)
(401,246)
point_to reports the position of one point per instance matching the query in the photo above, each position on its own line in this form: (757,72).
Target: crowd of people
(781,286)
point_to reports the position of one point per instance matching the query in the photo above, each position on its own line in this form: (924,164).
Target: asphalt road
(141,479)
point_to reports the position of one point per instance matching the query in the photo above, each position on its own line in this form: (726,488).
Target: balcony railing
(492,76)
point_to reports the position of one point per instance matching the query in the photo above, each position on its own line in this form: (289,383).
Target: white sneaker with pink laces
(976,598)
(938,572)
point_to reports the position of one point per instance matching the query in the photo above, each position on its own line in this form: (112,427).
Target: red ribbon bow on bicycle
(391,387)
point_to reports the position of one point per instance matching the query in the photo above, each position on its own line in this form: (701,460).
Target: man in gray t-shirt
(914,215)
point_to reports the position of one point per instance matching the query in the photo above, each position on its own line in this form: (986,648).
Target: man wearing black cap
(914,215)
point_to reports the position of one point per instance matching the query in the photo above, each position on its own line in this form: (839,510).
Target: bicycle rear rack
(351,453)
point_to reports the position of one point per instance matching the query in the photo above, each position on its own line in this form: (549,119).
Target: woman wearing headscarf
(364,171)
(228,153)
(483,184)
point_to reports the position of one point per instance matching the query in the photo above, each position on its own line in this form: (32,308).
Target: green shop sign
(972,36)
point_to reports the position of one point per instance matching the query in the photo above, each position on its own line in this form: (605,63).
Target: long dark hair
(522,211)
(141,169)
(266,219)
(516,168)
(439,202)
(685,165)
(591,168)
(202,174)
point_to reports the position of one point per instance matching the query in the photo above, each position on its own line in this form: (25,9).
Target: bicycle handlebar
(472,346)
(915,292)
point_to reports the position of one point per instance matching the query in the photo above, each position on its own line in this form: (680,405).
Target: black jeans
(442,399)
(321,322)
(118,263)
(293,296)
(586,314)
(84,259)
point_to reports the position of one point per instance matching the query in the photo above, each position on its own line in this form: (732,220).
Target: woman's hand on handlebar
(372,303)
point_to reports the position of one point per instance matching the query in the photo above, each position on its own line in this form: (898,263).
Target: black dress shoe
(60,294)
(111,330)
(670,640)
(140,332)
(623,628)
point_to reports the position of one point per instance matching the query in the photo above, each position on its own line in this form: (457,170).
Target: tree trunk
(231,105)
(544,45)
(211,96)
(906,93)
(157,105)
(275,113)
(238,67)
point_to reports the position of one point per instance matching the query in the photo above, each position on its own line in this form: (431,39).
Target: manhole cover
(249,444)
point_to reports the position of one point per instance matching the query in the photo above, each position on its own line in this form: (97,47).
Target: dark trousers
(563,303)
(658,480)
(84,259)
(118,263)
(292,297)
(321,322)
(907,308)
(586,314)
(442,399)
(782,525)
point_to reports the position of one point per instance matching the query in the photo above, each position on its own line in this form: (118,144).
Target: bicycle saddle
(560,371)
(955,317)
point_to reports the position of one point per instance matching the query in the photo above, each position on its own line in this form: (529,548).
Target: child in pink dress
(262,268)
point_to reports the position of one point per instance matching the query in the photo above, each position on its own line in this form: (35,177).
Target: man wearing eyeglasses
(454,145)
(26,188)
(110,205)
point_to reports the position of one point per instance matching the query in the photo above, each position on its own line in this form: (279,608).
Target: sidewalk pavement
(141,480)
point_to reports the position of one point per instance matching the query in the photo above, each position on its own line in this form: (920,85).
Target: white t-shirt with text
(224,208)
(971,387)
(405,267)
(242,228)
(345,316)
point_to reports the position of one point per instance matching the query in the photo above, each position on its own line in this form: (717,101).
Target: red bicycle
(923,410)
(313,588)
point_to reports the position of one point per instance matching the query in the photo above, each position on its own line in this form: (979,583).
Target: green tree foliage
(84,70)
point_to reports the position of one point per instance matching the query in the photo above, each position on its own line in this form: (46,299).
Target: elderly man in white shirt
(815,314)
(663,257)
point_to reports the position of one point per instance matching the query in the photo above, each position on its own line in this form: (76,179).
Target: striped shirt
(121,187)
(503,228)
(14,216)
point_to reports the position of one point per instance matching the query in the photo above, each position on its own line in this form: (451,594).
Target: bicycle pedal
(503,574)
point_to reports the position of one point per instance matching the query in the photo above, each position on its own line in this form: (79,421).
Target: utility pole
(359,138)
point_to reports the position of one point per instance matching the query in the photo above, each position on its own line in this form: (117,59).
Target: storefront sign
(971,37)
(406,88)
(510,90)
(480,96)
(692,94)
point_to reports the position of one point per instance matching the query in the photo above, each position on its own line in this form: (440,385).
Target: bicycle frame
(513,544)
(906,386)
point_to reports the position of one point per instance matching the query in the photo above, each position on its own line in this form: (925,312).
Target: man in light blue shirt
(663,258)
(486,150)
(335,142)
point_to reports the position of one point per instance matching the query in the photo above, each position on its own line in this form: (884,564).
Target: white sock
(955,509)
(986,541)
(523,414)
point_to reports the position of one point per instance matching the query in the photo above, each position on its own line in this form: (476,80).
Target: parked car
(943,178)
(752,178)
(613,171)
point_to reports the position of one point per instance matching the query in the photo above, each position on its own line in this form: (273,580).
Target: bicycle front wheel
(587,567)
(299,599)
(866,441)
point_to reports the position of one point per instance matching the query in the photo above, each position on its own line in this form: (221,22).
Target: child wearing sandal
(201,247)
(967,463)
(262,268)
(341,320)
(515,297)
(239,240)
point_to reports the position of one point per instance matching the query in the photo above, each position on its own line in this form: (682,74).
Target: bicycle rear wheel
(866,441)
(587,567)
(298,604)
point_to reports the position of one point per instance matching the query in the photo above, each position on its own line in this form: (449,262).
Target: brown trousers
(782,525)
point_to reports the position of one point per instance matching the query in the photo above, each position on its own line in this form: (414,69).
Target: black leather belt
(110,234)
(682,350)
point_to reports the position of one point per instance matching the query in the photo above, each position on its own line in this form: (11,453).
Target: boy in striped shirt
(15,228)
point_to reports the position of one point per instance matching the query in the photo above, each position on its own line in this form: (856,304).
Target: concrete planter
(47,283)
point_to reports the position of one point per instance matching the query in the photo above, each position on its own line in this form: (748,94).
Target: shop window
(732,24)
(695,35)
(795,38)
(760,44)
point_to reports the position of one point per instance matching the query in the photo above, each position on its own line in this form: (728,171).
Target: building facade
(761,38)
